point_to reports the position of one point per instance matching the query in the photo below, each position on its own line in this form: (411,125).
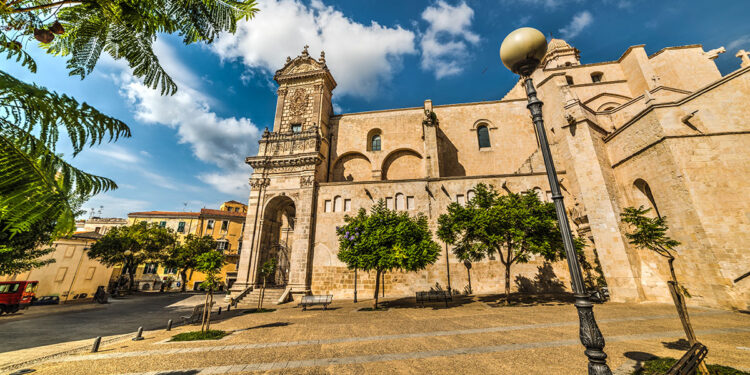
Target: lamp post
(522,51)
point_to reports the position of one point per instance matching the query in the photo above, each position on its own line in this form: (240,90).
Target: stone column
(301,254)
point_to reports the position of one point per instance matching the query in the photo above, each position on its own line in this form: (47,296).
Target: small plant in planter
(213,334)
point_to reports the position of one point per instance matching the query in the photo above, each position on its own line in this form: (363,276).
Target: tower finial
(304,50)
(323,56)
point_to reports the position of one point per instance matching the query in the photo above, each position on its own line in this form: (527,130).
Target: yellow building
(233,206)
(73,276)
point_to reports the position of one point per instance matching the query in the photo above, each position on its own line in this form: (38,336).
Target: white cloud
(579,22)
(233,183)
(117,153)
(444,44)
(114,206)
(222,141)
(738,43)
(361,57)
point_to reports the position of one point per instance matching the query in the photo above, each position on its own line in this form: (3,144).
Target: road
(120,316)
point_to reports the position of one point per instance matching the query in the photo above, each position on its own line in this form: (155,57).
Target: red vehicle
(16,295)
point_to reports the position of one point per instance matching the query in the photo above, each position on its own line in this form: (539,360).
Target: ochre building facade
(665,131)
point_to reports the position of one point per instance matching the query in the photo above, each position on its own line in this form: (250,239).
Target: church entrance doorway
(277,239)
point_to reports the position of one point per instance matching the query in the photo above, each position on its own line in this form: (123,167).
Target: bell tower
(289,164)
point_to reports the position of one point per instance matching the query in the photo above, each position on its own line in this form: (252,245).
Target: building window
(569,80)
(296,128)
(375,143)
(70,251)
(597,77)
(221,245)
(409,203)
(400,201)
(150,268)
(327,205)
(347,204)
(61,274)
(470,195)
(210,224)
(236,209)
(97,229)
(389,203)
(337,204)
(181,227)
(90,273)
(460,199)
(224,225)
(162,224)
(483,136)
(170,270)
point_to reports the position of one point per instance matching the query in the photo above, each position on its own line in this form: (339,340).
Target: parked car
(47,300)
(15,295)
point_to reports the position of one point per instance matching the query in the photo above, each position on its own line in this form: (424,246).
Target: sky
(187,150)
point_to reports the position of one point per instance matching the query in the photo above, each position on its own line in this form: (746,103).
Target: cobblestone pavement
(469,337)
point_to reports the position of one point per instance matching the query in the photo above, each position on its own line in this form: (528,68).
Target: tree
(131,246)
(267,269)
(210,264)
(650,233)
(511,226)
(185,256)
(21,252)
(37,183)
(386,240)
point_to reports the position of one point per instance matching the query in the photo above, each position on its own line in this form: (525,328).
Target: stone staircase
(270,297)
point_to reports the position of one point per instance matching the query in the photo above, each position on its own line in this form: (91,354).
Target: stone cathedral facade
(665,131)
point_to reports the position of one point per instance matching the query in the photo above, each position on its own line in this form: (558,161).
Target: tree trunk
(131,274)
(203,316)
(210,302)
(468,273)
(377,286)
(670,260)
(183,275)
(507,282)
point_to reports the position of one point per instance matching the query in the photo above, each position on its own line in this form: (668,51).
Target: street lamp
(521,52)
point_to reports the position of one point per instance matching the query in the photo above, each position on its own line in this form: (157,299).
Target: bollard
(229,307)
(95,347)
(139,335)
(169,325)
(219,311)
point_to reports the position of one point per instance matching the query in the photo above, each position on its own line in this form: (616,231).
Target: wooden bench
(196,315)
(434,296)
(324,300)
(688,364)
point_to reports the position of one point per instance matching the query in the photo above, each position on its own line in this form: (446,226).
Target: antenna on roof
(184,206)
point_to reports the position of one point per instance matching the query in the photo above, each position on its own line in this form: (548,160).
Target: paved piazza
(472,336)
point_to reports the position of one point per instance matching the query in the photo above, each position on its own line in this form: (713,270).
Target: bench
(434,296)
(688,364)
(324,300)
(196,315)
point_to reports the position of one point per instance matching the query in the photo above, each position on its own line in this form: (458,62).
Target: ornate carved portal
(277,238)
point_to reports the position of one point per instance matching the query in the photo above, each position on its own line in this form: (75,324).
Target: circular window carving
(298,102)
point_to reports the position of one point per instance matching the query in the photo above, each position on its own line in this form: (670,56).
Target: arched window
(643,188)
(400,202)
(597,77)
(569,80)
(337,204)
(375,143)
(538,191)
(470,195)
(483,136)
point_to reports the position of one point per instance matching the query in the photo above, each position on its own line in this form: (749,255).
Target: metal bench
(688,364)
(324,300)
(434,296)
(196,315)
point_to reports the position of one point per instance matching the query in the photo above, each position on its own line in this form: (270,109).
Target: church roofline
(675,47)
(422,108)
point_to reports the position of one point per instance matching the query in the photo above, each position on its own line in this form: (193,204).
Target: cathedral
(666,131)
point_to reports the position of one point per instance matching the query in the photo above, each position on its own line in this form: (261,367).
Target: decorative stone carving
(306,181)
(259,182)
(298,102)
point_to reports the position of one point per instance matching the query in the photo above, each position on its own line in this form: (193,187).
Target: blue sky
(187,150)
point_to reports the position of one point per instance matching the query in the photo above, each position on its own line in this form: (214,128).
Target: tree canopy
(132,245)
(511,227)
(386,240)
(185,255)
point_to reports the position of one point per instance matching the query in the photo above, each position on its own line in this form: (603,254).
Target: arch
(644,196)
(402,164)
(470,195)
(482,122)
(483,136)
(372,136)
(277,238)
(351,166)
(539,193)
(597,77)
(608,106)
